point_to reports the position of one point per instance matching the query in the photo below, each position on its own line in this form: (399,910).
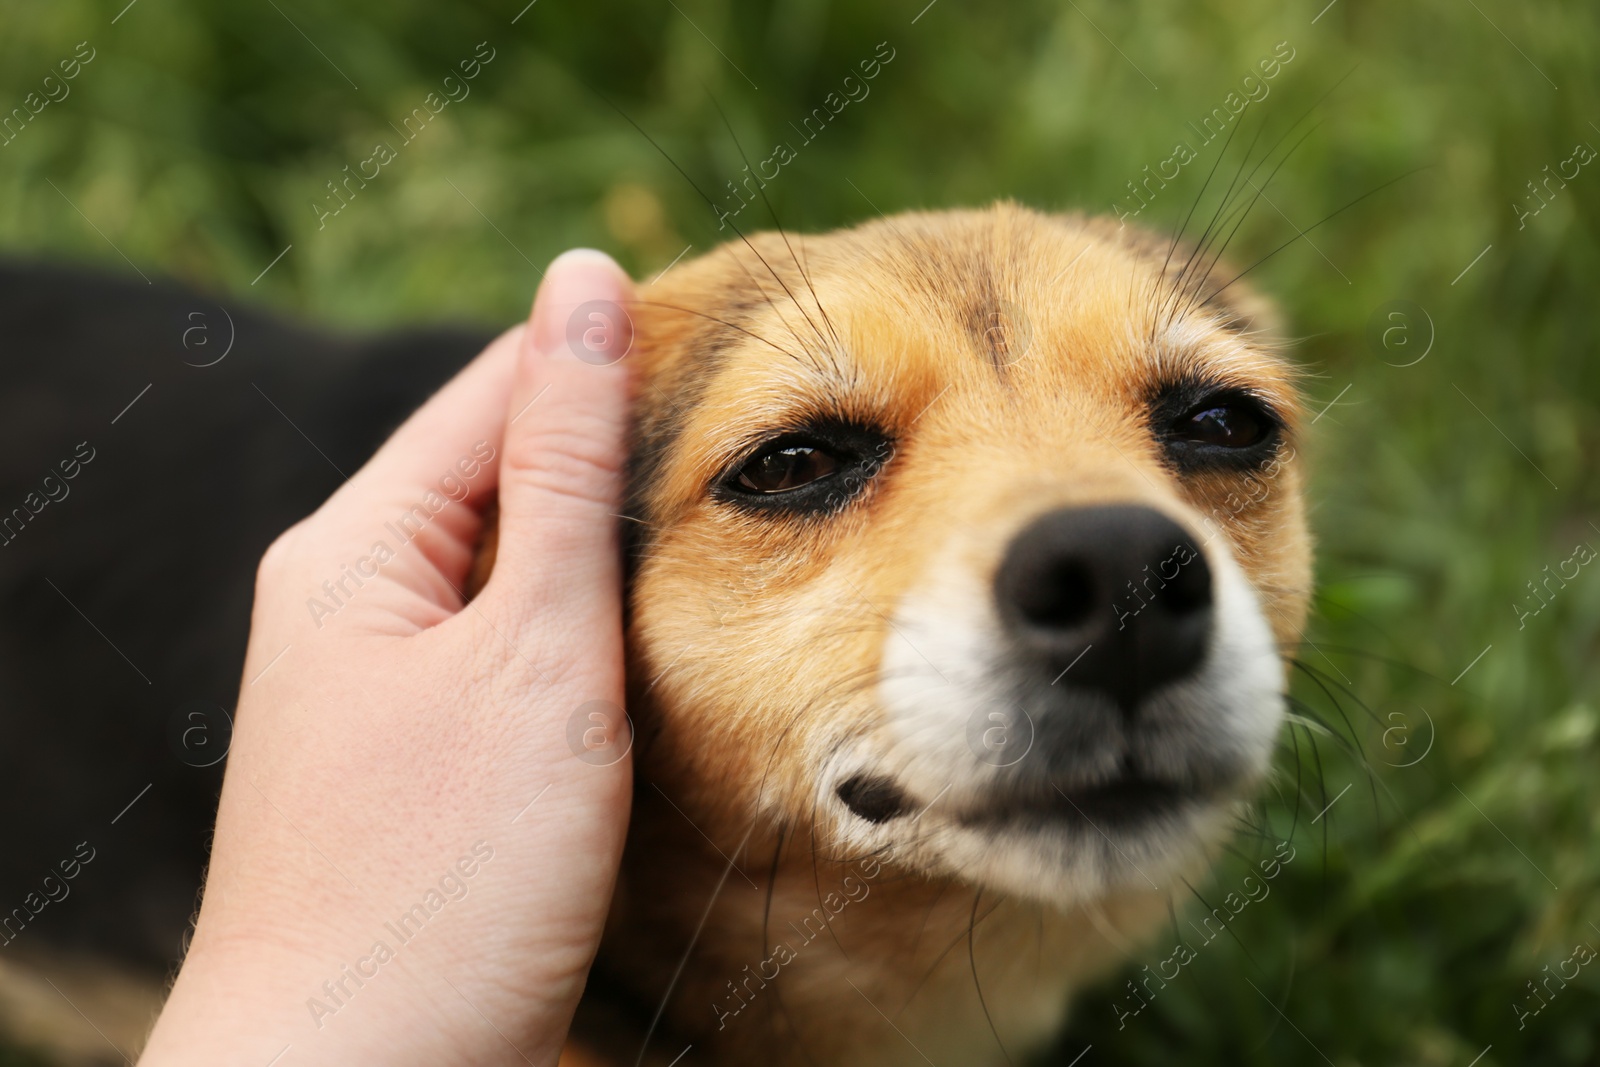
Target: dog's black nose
(1118,597)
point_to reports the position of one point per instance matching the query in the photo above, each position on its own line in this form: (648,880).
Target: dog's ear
(488,543)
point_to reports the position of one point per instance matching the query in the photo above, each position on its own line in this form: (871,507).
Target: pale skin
(402,738)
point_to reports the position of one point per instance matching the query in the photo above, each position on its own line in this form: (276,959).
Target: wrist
(255,1000)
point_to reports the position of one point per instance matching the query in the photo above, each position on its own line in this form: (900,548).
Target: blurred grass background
(1421,904)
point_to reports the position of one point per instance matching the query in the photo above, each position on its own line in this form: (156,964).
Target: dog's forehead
(994,302)
(972,281)
(1002,299)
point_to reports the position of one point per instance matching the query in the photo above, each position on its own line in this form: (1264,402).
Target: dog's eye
(1232,424)
(813,469)
(1212,427)
(779,469)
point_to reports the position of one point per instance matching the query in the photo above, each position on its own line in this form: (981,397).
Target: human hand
(410,864)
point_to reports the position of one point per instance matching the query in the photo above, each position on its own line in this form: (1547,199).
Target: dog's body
(126,594)
(912,762)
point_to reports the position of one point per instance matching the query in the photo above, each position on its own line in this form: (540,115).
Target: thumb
(565,441)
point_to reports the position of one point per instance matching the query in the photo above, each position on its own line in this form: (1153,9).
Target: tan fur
(1010,354)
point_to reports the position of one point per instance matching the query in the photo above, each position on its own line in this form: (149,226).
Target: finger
(565,440)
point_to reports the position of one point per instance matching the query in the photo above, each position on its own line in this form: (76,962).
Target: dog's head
(975,537)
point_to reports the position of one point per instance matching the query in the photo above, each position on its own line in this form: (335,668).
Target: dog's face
(979,540)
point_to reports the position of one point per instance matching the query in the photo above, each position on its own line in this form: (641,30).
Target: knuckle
(573,460)
(277,561)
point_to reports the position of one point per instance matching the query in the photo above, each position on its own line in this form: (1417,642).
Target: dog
(155,439)
(966,551)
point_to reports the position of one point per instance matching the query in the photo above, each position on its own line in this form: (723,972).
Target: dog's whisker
(719,321)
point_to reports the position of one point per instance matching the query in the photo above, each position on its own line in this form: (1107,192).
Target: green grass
(1417,909)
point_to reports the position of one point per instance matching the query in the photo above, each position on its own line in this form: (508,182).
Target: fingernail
(578,313)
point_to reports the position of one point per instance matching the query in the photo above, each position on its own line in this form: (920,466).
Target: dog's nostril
(1190,590)
(1060,598)
(874,799)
